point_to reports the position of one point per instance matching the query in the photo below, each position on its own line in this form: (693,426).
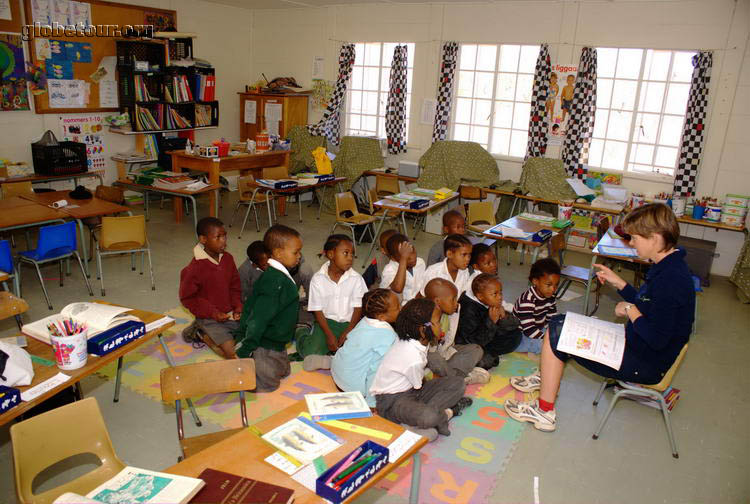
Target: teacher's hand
(604,274)
(620,309)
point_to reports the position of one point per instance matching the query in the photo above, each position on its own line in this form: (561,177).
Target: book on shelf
(222,487)
(593,339)
(97,317)
(302,439)
(141,90)
(202,115)
(176,121)
(337,406)
(145,119)
(134,485)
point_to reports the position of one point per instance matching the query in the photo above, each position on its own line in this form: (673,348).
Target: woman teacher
(660,319)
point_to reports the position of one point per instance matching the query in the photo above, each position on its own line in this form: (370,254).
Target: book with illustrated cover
(303,439)
(222,487)
(593,339)
(337,406)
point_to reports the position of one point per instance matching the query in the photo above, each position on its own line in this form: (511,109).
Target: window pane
(642,153)
(372,54)
(506,86)
(529,55)
(482,111)
(355,102)
(646,128)
(523,88)
(463,110)
(509,57)
(468,56)
(600,123)
(652,96)
(606,60)
(682,67)
(483,84)
(383,102)
(465,83)
(388,48)
(595,152)
(666,156)
(671,130)
(521,116)
(677,97)
(385,79)
(371,79)
(486,57)
(461,132)
(613,156)
(359,54)
(356,77)
(410,50)
(500,141)
(629,63)
(603,92)
(641,168)
(518,141)
(503,114)
(657,65)
(354,122)
(480,135)
(618,127)
(623,95)
(369,123)
(370,102)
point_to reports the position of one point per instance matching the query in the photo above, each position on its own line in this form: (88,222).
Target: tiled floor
(631,461)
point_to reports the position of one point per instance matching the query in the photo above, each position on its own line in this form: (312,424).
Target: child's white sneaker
(477,375)
(532,413)
(527,384)
(313,362)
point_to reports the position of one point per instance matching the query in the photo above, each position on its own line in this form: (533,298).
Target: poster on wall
(560,100)
(14,95)
(86,129)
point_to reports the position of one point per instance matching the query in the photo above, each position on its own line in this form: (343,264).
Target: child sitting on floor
(253,267)
(354,365)
(453,223)
(537,304)
(335,299)
(483,260)
(269,315)
(210,289)
(404,273)
(485,321)
(454,267)
(445,358)
(400,394)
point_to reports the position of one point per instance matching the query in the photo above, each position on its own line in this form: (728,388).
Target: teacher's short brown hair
(654,218)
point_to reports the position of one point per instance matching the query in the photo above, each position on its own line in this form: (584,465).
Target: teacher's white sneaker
(532,413)
(527,384)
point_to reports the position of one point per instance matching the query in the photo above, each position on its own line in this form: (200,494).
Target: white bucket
(678,206)
(564,210)
(70,351)
(713,213)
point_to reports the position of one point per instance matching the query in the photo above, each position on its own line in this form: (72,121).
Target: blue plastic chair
(6,266)
(55,243)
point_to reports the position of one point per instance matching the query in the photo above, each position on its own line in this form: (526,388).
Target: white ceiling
(290,4)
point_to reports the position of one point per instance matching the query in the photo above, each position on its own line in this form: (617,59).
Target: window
(493,96)
(640,109)
(368,93)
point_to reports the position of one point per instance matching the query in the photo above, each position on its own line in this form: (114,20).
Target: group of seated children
(449,317)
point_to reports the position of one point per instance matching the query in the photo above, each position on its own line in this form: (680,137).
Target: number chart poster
(14,95)
(86,129)
(562,82)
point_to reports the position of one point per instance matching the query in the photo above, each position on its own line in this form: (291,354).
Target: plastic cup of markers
(71,352)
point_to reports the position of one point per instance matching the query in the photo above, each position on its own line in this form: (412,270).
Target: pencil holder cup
(564,210)
(70,351)
(698,212)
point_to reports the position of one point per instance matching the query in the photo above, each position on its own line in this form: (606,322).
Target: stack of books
(203,115)
(147,120)
(176,121)
(141,91)
(178,182)
(178,91)
(204,87)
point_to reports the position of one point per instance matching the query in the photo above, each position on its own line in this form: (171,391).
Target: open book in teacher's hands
(593,339)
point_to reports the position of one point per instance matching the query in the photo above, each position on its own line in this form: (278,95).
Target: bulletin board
(102,13)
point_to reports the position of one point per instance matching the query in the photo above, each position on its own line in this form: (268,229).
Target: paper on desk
(306,476)
(282,463)
(37,390)
(579,187)
(511,232)
(401,445)
(158,323)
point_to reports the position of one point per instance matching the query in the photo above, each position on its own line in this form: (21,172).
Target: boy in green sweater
(269,315)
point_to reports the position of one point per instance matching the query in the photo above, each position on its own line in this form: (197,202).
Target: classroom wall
(719,25)
(223,38)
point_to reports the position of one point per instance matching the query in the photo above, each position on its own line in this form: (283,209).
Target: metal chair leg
(143,258)
(668,425)
(44,288)
(132,262)
(615,398)
(257,219)
(354,239)
(151,269)
(234,213)
(601,391)
(62,275)
(99,272)
(244,221)
(83,272)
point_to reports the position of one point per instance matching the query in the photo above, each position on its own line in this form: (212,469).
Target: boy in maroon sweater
(210,288)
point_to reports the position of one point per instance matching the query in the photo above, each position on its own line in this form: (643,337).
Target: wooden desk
(243,454)
(393,174)
(78,210)
(527,226)
(243,163)
(17,214)
(93,364)
(52,178)
(14,202)
(304,188)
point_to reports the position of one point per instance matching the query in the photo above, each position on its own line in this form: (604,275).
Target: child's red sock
(546,406)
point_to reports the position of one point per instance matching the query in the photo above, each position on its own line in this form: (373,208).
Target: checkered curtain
(395,112)
(693,130)
(330,124)
(445,90)
(538,121)
(575,152)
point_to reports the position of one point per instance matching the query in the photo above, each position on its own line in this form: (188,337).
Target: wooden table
(393,174)
(243,163)
(715,225)
(52,178)
(527,226)
(181,193)
(304,188)
(93,364)
(243,454)
(580,206)
(79,210)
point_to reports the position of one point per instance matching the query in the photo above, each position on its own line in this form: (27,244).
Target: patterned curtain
(692,133)
(575,152)
(445,91)
(330,124)
(395,112)
(538,120)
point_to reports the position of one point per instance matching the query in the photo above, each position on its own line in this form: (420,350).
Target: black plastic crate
(168,144)
(64,158)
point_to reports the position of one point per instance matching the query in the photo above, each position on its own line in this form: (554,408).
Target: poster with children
(86,129)
(560,101)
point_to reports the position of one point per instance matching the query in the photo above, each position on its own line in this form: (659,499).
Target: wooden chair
(107,193)
(470,193)
(252,194)
(44,440)
(214,377)
(10,189)
(480,216)
(345,203)
(653,392)
(386,185)
(123,235)
(389,214)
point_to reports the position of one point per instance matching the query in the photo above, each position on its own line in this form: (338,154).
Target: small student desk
(53,178)
(243,454)
(528,226)
(291,191)
(43,372)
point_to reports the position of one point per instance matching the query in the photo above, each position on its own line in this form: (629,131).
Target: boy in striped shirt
(537,304)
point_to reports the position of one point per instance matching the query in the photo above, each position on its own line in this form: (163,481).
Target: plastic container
(223,148)
(698,212)
(732,220)
(733,210)
(713,213)
(64,158)
(737,200)
(262,142)
(678,206)
(71,352)
(564,210)
(361,477)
